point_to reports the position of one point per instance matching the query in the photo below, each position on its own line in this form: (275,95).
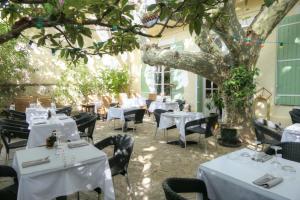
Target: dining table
(232,176)
(70,167)
(179,118)
(168,105)
(41,128)
(114,113)
(291,133)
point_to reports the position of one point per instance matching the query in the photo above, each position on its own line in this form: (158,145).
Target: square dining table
(231,176)
(70,170)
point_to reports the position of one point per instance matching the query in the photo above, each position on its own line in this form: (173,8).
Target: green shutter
(288,62)
(177,90)
(199,93)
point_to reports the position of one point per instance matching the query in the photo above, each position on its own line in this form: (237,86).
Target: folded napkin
(40,122)
(63,117)
(261,157)
(77,144)
(268,181)
(35,162)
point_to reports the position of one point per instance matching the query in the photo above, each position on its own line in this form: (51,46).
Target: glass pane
(208,94)
(158,89)
(167,90)
(157,78)
(215,86)
(208,83)
(167,69)
(167,78)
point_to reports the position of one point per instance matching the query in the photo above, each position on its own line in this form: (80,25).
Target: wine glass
(276,162)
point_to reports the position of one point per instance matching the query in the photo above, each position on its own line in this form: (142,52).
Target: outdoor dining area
(53,152)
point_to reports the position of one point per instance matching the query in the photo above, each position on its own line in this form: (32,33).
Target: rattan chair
(123,147)
(21,103)
(295,116)
(203,126)
(86,128)
(157,113)
(173,186)
(289,151)
(9,192)
(45,101)
(267,135)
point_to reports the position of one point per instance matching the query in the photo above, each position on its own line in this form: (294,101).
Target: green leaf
(197,26)
(80,41)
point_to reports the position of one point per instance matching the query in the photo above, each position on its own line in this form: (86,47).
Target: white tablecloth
(291,133)
(60,123)
(79,169)
(163,105)
(35,112)
(179,119)
(231,177)
(117,113)
(134,102)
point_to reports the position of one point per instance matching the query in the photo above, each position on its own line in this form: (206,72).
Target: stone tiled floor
(151,162)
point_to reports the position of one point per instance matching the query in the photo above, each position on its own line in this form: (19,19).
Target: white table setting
(41,128)
(45,173)
(134,102)
(237,176)
(118,113)
(179,119)
(168,105)
(291,133)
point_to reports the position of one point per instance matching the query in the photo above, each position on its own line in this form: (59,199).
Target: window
(288,62)
(210,89)
(163,80)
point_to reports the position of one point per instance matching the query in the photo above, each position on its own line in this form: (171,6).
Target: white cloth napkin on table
(35,162)
(77,144)
(268,181)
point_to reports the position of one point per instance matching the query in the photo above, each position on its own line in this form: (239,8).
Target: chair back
(152,96)
(139,116)
(157,113)
(173,186)
(261,130)
(123,147)
(65,110)
(17,115)
(294,116)
(88,126)
(45,101)
(9,192)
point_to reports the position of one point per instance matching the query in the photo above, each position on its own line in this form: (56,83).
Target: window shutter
(288,62)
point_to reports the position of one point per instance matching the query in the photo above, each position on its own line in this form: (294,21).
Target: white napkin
(261,157)
(77,144)
(35,162)
(63,117)
(268,181)
(39,122)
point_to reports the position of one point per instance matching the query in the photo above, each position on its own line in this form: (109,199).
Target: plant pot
(229,137)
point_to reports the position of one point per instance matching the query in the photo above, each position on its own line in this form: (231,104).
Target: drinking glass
(255,155)
(276,162)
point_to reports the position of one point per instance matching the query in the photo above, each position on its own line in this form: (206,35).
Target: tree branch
(269,17)
(196,62)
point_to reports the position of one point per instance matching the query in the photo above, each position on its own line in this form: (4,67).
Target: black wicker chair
(17,115)
(203,126)
(289,151)
(157,113)
(295,116)
(86,128)
(12,122)
(181,104)
(173,186)
(81,117)
(65,110)
(267,135)
(136,115)
(10,192)
(123,147)
(6,134)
